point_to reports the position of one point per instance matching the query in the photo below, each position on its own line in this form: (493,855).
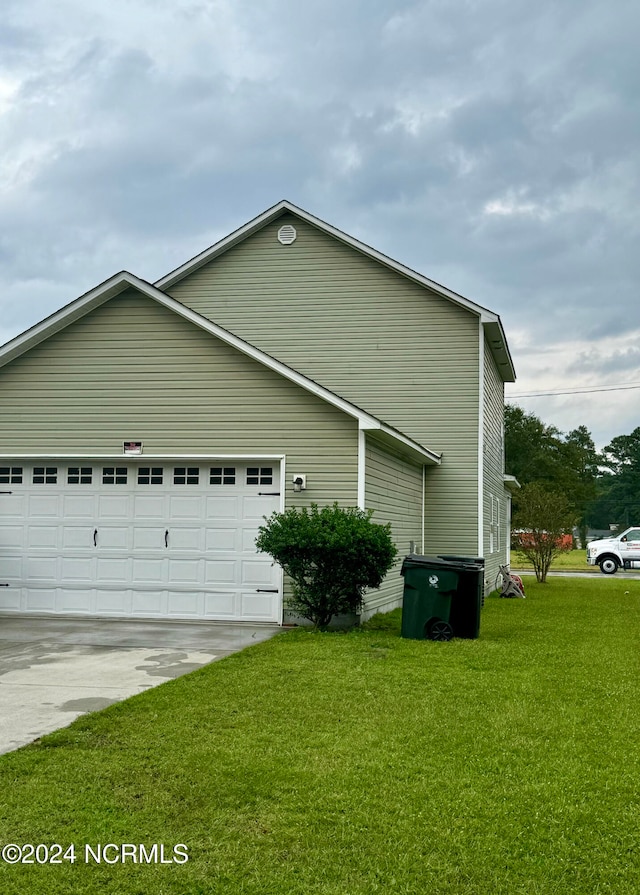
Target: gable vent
(287,234)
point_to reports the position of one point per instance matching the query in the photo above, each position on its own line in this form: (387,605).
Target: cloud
(604,360)
(493,147)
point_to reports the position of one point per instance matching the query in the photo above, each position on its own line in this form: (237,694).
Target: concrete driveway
(53,670)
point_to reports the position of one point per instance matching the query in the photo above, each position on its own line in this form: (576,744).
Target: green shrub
(332,556)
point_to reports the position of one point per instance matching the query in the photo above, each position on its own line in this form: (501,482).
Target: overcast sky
(492,145)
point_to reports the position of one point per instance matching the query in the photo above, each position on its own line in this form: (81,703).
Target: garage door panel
(256,572)
(224,507)
(221,539)
(11,599)
(79,506)
(112,602)
(78,569)
(120,541)
(255,508)
(12,537)
(147,537)
(148,571)
(113,537)
(117,571)
(43,569)
(40,600)
(184,571)
(14,505)
(186,538)
(248,539)
(185,605)
(261,607)
(44,507)
(74,600)
(75,537)
(152,602)
(220,604)
(187,508)
(113,506)
(11,570)
(43,537)
(220,572)
(150,506)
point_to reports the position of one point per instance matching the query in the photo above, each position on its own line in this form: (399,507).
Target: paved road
(590,573)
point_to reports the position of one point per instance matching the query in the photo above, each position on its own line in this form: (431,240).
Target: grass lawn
(572,561)
(358,763)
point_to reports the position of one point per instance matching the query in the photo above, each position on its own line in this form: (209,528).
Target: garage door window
(186,475)
(79,475)
(222,475)
(45,475)
(262,475)
(10,475)
(150,475)
(114,475)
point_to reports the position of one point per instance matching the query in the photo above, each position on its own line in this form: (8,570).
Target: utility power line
(575,391)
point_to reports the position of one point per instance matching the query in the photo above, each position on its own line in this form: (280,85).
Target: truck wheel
(608,565)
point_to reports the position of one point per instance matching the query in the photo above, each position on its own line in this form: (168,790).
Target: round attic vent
(287,234)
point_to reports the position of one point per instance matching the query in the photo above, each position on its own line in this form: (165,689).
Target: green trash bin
(429,585)
(468,600)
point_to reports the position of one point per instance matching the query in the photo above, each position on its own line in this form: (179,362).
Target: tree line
(600,488)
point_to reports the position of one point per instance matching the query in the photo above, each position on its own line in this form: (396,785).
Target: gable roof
(124,280)
(491,322)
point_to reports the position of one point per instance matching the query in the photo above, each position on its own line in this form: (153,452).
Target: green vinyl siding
(393,490)
(398,350)
(495,498)
(133,370)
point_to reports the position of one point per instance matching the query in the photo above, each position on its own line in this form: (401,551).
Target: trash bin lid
(468,560)
(416,561)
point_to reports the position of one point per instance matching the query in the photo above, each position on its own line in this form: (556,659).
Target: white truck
(611,553)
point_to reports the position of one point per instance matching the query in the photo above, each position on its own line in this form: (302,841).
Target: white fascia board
(481,395)
(404,444)
(67,315)
(362,468)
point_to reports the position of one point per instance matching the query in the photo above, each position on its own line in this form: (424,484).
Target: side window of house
(494,528)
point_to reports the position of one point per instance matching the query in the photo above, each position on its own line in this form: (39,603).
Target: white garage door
(146,539)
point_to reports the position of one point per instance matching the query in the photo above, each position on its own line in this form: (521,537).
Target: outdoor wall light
(299,482)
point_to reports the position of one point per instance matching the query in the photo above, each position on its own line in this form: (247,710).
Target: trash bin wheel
(439,630)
